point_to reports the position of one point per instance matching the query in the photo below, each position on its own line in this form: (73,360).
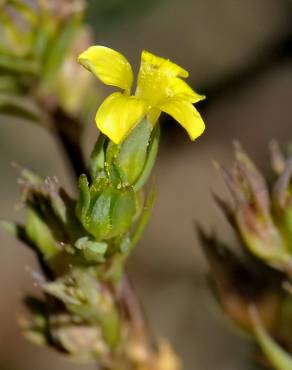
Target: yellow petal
(185,114)
(156,77)
(162,63)
(119,114)
(180,89)
(111,67)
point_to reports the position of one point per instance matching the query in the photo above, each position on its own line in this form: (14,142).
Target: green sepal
(99,217)
(105,211)
(112,213)
(150,160)
(83,202)
(97,158)
(115,175)
(133,151)
(123,211)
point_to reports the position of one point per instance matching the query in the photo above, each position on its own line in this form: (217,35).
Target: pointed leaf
(40,235)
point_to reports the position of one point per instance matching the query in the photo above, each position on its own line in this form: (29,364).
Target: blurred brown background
(238,53)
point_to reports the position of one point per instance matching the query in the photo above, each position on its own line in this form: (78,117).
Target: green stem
(68,132)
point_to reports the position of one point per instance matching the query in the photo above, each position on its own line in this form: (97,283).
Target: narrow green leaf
(40,235)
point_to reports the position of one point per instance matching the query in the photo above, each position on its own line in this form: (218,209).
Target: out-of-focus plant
(253,285)
(38,48)
(39,43)
(88,309)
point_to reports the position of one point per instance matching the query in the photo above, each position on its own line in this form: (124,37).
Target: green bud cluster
(111,202)
(82,245)
(261,215)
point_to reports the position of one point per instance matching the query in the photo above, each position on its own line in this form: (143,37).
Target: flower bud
(252,214)
(137,154)
(105,211)
(128,163)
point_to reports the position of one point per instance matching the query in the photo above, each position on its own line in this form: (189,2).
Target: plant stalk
(68,132)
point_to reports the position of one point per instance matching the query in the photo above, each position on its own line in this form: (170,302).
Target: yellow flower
(160,88)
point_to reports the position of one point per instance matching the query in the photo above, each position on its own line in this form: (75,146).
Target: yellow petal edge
(119,114)
(108,65)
